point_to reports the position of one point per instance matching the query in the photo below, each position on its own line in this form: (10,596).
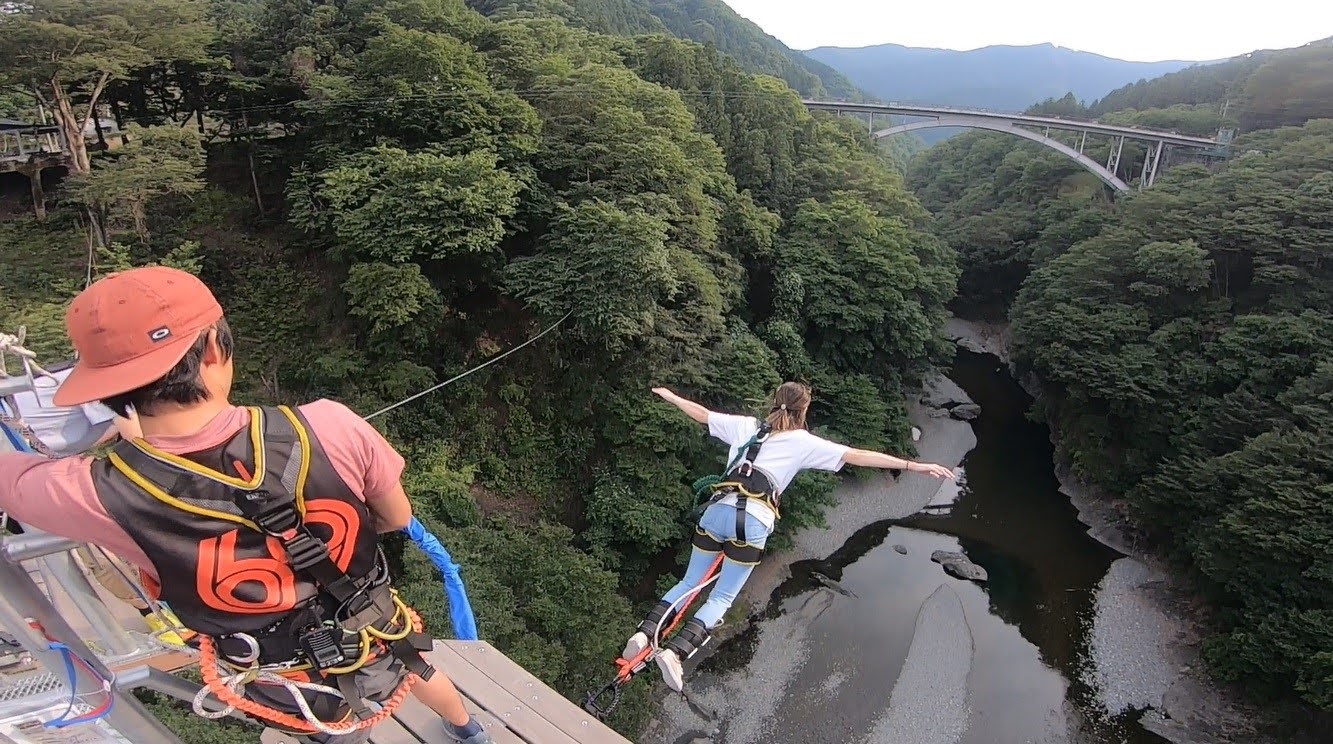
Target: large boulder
(965,411)
(958,565)
(941,392)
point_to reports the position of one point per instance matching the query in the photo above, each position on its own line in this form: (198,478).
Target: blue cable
(72,675)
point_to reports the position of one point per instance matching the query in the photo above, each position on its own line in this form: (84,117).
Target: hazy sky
(1139,30)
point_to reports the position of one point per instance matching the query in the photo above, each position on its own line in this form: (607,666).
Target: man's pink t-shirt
(57,496)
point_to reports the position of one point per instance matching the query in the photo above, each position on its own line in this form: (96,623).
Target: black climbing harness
(744,481)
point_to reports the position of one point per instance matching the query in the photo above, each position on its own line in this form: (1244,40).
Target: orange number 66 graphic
(263,585)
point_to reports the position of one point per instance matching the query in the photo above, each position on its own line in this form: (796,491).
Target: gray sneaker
(481,737)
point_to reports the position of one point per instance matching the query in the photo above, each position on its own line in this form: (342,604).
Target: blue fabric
(19,443)
(460,610)
(720,522)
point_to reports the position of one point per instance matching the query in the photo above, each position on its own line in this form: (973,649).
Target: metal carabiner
(251,654)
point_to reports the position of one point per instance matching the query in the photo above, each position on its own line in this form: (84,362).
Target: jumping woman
(744,507)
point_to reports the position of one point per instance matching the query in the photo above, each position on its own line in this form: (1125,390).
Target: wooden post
(38,193)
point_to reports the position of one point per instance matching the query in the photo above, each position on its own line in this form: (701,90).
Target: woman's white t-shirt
(781,457)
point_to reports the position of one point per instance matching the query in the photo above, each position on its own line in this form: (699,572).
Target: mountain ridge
(1004,77)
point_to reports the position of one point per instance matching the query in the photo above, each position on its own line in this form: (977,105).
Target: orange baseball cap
(131,328)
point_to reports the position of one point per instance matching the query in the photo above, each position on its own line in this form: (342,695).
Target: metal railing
(45,687)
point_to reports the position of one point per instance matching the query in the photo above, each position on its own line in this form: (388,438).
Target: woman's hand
(931,469)
(691,409)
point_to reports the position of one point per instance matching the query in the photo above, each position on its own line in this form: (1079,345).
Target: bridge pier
(1113,161)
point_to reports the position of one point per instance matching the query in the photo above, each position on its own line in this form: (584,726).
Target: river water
(844,638)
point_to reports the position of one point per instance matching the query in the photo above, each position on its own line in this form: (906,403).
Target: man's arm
(392,511)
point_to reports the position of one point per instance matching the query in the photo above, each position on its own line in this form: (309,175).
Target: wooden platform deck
(514,706)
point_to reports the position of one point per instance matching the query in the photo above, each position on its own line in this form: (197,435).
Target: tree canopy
(385,194)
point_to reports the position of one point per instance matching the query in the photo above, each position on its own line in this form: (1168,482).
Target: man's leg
(112,577)
(440,695)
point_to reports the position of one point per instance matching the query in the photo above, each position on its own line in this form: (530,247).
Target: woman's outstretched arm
(866,458)
(691,409)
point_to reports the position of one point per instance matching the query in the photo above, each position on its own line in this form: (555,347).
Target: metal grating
(31,684)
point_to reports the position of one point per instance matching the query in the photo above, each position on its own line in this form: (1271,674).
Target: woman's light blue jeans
(720,522)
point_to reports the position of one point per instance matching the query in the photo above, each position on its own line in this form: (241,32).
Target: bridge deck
(514,706)
(1051,122)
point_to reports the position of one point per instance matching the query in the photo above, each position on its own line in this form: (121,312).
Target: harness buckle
(303,549)
(275,516)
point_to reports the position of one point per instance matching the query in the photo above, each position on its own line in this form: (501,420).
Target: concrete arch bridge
(1038,129)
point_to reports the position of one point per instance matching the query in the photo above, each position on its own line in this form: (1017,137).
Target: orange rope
(626,667)
(208,666)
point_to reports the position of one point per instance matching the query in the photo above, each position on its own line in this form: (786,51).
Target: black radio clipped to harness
(322,647)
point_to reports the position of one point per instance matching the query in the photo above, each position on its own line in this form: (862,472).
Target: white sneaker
(636,643)
(672,671)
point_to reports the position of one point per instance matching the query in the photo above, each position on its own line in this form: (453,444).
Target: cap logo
(159,334)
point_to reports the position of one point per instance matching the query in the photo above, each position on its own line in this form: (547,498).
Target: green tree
(392,205)
(66,51)
(157,162)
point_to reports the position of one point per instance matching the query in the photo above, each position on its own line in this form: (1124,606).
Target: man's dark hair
(181,385)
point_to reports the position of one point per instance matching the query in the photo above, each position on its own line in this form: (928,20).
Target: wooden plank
(515,713)
(165,661)
(426,725)
(386,732)
(391,732)
(551,705)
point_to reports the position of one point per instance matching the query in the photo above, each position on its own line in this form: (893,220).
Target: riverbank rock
(939,391)
(965,411)
(901,549)
(958,565)
(1134,644)
(929,702)
(980,336)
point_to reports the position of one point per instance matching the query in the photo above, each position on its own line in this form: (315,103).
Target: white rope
(237,682)
(477,368)
(657,632)
(13,344)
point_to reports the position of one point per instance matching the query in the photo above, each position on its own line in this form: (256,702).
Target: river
(824,657)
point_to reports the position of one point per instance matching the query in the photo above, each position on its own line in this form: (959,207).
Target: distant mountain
(1002,78)
(705,21)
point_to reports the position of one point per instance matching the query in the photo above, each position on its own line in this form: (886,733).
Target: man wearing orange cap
(259,526)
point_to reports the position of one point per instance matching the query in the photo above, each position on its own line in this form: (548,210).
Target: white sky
(1138,30)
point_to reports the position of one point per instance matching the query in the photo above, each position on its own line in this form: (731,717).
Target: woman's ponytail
(790,402)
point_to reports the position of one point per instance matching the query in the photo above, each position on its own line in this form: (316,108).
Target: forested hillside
(1183,339)
(709,22)
(386,193)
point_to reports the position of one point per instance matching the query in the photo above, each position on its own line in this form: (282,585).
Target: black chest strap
(748,475)
(276,515)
